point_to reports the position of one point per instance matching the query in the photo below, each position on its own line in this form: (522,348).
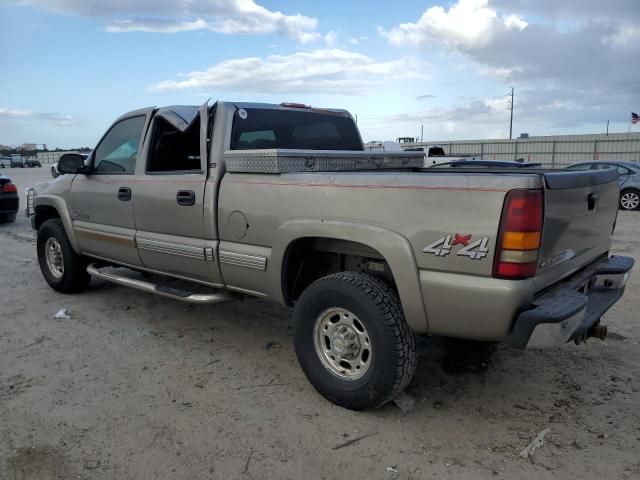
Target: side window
(172,150)
(623,171)
(580,166)
(118,150)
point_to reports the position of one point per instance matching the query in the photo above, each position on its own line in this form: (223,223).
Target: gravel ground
(137,386)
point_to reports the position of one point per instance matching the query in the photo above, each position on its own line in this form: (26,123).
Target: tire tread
(402,339)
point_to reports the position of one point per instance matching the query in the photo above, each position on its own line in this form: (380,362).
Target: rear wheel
(62,268)
(629,200)
(352,341)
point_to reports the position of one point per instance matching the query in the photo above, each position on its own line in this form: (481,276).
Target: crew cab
(370,249)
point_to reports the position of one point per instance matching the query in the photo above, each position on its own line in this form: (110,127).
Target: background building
(552,151)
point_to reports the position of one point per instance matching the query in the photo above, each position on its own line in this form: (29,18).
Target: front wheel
(62,268)
(352,341)
(629,200)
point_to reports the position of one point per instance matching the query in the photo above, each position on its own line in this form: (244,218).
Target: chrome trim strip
(158,246)
(89,233)
(236,259)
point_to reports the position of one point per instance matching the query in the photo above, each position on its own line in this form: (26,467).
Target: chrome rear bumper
(572,310)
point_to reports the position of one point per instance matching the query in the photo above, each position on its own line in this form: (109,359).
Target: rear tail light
(9,188)
(519,235)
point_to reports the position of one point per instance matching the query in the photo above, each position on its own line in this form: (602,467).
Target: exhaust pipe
(598,331)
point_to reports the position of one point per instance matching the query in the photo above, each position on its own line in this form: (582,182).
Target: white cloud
(12,114)
(173,16)
(154,25)
(358,40)
(331,71)
(596,46)
(331,38)
(626,35)
(466,24)
(514,21)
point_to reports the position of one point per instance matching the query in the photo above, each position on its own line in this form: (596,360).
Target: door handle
(186,198)
(124,194)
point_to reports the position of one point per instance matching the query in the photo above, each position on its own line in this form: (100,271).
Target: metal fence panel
(554,151)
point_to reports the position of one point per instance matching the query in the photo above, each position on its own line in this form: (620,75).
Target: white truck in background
(433,154)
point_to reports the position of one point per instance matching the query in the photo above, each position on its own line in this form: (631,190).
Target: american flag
(635,118)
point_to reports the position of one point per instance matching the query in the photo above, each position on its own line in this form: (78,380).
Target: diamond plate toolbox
(283,161)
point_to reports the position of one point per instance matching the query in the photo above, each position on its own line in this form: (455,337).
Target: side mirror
(71,163)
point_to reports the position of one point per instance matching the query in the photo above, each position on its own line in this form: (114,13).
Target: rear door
(170,196)
(102,201)
(580,208)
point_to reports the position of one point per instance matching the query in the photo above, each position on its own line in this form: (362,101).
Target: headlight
(30,194)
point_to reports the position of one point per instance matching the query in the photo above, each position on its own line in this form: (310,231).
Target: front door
(169,203)
(102,201)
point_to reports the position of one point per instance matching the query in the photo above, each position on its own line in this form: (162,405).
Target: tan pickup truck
(204,204)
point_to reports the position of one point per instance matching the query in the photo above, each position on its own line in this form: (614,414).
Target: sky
(70,67)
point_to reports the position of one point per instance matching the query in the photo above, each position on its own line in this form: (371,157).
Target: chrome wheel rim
(630,201)
(342,343)
(53,255)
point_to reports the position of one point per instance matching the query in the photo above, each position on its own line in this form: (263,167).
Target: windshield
(255,128)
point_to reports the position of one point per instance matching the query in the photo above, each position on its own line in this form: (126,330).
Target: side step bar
(162,290)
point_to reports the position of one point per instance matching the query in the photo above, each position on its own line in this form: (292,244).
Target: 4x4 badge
(476,250)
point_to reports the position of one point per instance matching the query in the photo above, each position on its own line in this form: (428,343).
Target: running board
(162,290)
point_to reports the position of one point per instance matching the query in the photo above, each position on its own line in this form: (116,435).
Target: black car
(16,162)
(485,164)
(32,162)
(9,200)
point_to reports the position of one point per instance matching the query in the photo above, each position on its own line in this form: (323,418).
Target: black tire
(393,348)
(74,278)
(629,198)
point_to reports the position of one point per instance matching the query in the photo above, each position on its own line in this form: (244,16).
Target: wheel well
(44,213)
(308,259)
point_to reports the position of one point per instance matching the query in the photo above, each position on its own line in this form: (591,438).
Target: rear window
(275,128)
(436,152)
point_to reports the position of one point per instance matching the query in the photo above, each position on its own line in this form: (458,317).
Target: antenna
(511,121)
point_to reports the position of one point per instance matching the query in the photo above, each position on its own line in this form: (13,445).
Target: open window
(172,149)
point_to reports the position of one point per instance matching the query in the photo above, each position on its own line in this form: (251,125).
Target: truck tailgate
(580,210)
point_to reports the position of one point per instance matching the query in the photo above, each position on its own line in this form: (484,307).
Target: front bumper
(569,310)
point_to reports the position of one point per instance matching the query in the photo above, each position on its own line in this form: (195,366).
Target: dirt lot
(141,387)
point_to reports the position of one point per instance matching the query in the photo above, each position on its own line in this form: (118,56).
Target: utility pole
(607,128)
(511,121)
(422,133)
